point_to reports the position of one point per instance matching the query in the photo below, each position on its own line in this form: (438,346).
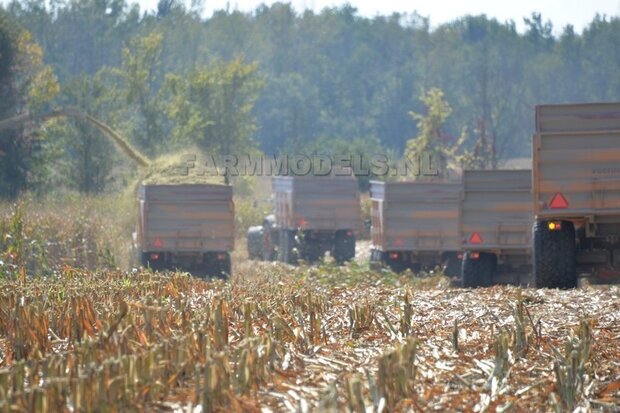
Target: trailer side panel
(317,202)
(186,218)
(579,117)
(496,212)
(577,174)
(415,216)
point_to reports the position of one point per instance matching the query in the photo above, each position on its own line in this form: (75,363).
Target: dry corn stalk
(397,372)
(361,317)
(570,368)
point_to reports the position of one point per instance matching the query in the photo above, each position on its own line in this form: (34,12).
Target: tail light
(154,256)
(459,255)
(221,256)
(554,225)
(474,255)
(349,233)
(608,275)
(394,255)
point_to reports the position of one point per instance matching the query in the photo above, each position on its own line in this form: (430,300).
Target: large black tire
(344,246)
(376,259)
(155,265)
(310,249)
(255,243)
(478,272)
(288,247)
(217,268)
(397,265)
(555,264)
(225,268)
(452,264)
(144,259)
(269,241)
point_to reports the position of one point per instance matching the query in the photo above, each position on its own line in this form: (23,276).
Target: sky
(561,12)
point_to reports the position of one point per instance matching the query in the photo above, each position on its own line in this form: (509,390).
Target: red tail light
(558,201)
(608,275)
(154,257)
(393,255)
(221,256)
(459,256)
(475,238)
(349,233)
(474,255)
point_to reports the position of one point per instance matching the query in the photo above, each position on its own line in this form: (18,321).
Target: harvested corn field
(278,338)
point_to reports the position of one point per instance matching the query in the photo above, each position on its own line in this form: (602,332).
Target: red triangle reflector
(398,242)
(158,243)
(558,201)
(475,238)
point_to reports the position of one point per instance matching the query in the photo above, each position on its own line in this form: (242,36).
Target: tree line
(279,80)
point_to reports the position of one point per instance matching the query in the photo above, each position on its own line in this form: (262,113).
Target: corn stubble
(280,338)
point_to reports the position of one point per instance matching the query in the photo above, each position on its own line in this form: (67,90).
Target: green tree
(290,110)
(332,73)
(481,157)
(89,155)
(142,77)
(432,141)
(27,85)
(359,150)
(12,171)
(79,36)
(212,107)
(446,152)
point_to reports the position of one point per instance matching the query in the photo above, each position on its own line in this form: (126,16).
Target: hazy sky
(561,12)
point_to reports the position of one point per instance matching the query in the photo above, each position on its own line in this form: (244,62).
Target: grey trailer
(576,186)
(312,215)
(186,226)
(496,221)
(415,225)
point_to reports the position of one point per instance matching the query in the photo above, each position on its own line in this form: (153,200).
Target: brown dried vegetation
(283,338)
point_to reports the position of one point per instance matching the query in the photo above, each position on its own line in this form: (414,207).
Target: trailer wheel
(310,249)
(344,246)
(155,264)
(554,255)
(269,241)
(478,272)
(144,259)
(415,267)
(217,265)
(376,259)
(225,268)
(255,243)
(452,264)
(288,247)
(395,261)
